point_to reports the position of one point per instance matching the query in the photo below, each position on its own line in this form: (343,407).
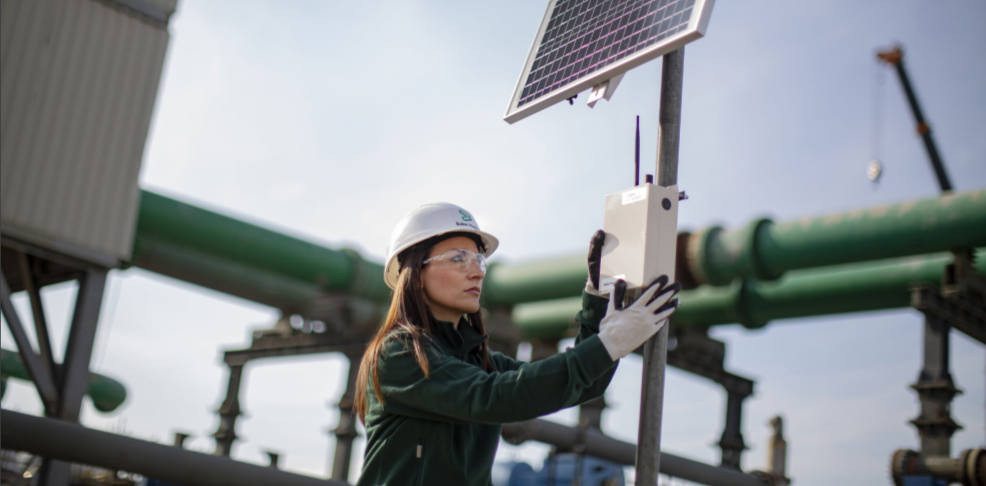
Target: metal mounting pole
(656,349)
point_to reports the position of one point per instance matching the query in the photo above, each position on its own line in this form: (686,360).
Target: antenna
(636,156)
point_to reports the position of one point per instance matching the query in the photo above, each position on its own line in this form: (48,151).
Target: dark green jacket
(444,429)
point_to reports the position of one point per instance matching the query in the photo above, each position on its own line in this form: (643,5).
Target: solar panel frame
(697,25)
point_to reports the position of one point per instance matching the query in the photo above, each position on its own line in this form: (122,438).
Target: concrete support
(346,431)
(228,412)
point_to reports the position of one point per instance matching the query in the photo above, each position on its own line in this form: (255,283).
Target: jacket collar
(461,341)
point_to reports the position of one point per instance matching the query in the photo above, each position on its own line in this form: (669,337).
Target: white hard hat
(427,221)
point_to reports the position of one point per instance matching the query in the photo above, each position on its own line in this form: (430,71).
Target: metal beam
(78,351)
(602,446)
(37,308)
(74,443)
(74,372)
(35,367)
(964,314)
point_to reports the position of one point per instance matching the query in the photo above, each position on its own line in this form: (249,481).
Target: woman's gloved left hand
(595,257)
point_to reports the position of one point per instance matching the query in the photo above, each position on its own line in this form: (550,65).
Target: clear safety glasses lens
(461,259)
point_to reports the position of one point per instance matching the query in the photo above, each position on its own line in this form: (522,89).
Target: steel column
(346,431)
(935,390)
(591,413)
(228,412)
(656,349)
(731,442)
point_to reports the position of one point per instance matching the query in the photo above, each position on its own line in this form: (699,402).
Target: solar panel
(585,43)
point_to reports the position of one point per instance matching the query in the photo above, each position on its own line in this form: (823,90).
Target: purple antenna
(636,156)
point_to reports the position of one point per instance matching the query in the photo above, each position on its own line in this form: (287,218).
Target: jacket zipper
(418,452)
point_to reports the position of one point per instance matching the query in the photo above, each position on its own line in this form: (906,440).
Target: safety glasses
(460,259)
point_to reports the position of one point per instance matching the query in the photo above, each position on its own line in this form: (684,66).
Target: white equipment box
(641,225)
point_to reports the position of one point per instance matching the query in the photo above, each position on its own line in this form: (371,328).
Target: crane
(895,58)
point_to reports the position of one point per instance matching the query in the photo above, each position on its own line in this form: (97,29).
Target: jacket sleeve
(592,313)
(460,392)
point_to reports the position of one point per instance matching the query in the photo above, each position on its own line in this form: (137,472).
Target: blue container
(566,469)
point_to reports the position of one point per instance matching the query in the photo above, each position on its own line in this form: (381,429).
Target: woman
(431,393)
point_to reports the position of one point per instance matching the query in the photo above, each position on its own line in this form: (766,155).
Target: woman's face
(450,290)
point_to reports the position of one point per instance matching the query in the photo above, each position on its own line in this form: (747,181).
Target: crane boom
(895,57)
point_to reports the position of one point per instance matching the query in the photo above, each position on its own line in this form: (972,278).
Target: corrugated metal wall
(78,81)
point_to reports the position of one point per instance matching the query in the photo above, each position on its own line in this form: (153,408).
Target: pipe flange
(698,256)
(902,463)
(745,305)
(973,468)
(753,241)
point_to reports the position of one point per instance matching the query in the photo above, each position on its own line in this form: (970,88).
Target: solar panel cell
(583,37)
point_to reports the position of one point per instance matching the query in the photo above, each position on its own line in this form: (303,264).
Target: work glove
(625,329)
(595,257)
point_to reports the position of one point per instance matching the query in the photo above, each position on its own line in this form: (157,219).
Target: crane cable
(874,169)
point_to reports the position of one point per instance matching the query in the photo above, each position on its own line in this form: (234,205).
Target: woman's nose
(475,271)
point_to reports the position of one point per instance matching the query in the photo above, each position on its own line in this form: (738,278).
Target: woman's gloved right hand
(626,328)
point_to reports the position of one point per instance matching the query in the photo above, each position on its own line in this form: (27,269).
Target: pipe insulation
(79,444)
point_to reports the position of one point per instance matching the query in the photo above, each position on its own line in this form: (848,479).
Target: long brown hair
(409,312)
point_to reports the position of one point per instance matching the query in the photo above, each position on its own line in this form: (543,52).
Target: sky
(329,120)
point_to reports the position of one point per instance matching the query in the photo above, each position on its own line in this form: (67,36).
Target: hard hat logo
(428,221)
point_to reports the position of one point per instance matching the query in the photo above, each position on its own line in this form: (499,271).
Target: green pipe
(764,250)
(542,280)
(276,290)
(242,259)
(163,221)
(106,393)
(861,287)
